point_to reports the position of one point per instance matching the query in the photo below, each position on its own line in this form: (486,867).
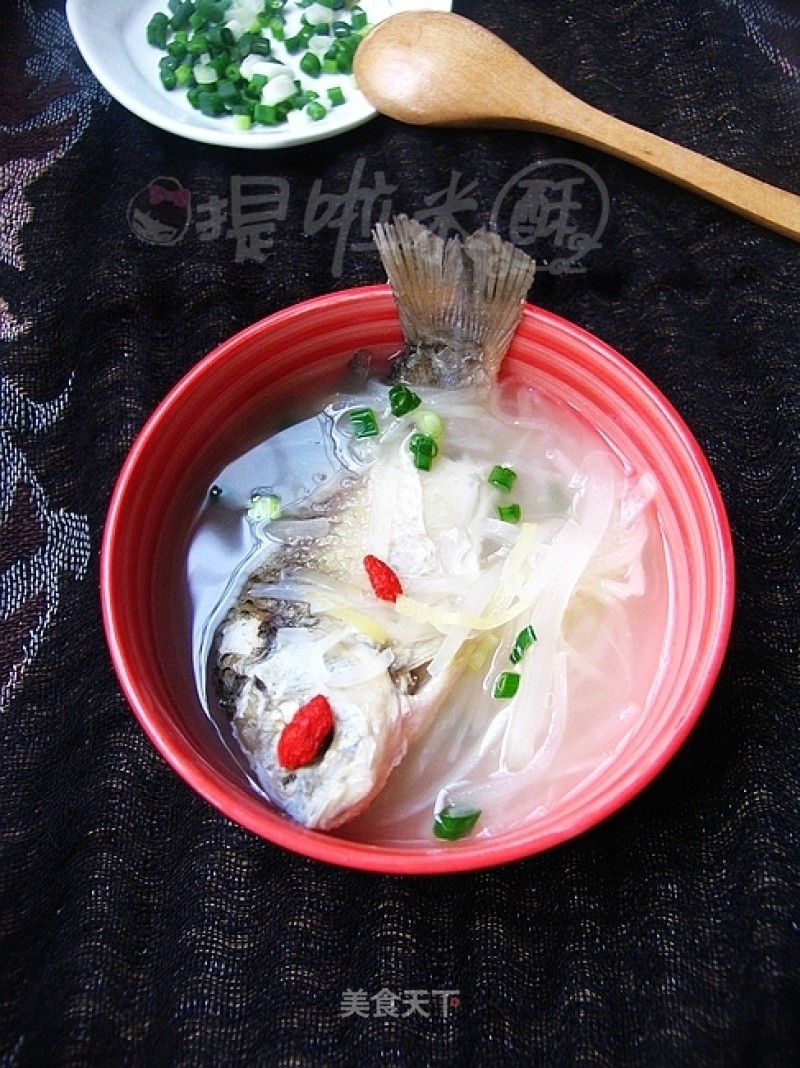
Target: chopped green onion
(423,448)
(503,477)
(335,95)
(455,821)
(211,11)
(157,29)
(316,111)
(243,45)
(264,508)
(525,640)
(197,44)
(266,114)
(506,685)
(310,65)
(176,49)
(509,513)
(228,91)
(181,15)
(365,425)
(184,76)
(255,85)
(168,77)
(402,400)
(305,96)
(344,56)
(210,103)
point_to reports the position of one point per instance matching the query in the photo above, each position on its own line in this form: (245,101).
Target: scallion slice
(363,420)
(455,821)
(401,399)
(524,641)
(423,448)
(310,65)
(509,513)
(506,685)
(502,477)
(157,30)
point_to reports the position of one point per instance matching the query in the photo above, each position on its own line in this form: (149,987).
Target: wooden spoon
(434,68)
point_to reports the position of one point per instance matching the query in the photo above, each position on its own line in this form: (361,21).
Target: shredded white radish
(574,547)
(474,603)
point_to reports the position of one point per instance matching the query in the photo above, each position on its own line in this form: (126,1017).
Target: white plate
(111,35)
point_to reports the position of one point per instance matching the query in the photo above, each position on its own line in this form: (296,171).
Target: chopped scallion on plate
(216,43)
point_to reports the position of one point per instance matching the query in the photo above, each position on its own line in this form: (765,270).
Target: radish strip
(572,549)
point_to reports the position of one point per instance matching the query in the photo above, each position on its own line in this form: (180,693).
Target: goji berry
(304,737)
(384,582)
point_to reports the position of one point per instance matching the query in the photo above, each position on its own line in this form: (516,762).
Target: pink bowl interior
(198,428)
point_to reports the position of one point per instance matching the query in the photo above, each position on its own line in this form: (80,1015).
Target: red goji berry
(384,582)
(304,737)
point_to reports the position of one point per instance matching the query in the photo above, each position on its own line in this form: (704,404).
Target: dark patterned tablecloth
(137,925)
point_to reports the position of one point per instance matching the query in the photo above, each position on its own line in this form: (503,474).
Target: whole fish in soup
(344,639)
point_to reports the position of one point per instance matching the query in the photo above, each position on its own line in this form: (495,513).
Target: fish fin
(459,301)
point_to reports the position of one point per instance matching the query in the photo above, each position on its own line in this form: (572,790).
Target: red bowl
(198,428)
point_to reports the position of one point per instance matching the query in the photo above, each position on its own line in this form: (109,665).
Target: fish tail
(459,302)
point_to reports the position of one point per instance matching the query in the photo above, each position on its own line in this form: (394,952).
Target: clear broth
(622,647)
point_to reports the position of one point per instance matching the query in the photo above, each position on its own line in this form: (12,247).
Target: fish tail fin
(455,296)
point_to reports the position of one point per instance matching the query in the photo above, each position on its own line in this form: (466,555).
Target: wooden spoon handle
(777,209)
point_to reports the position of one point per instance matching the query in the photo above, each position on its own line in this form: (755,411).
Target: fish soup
(571,553)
